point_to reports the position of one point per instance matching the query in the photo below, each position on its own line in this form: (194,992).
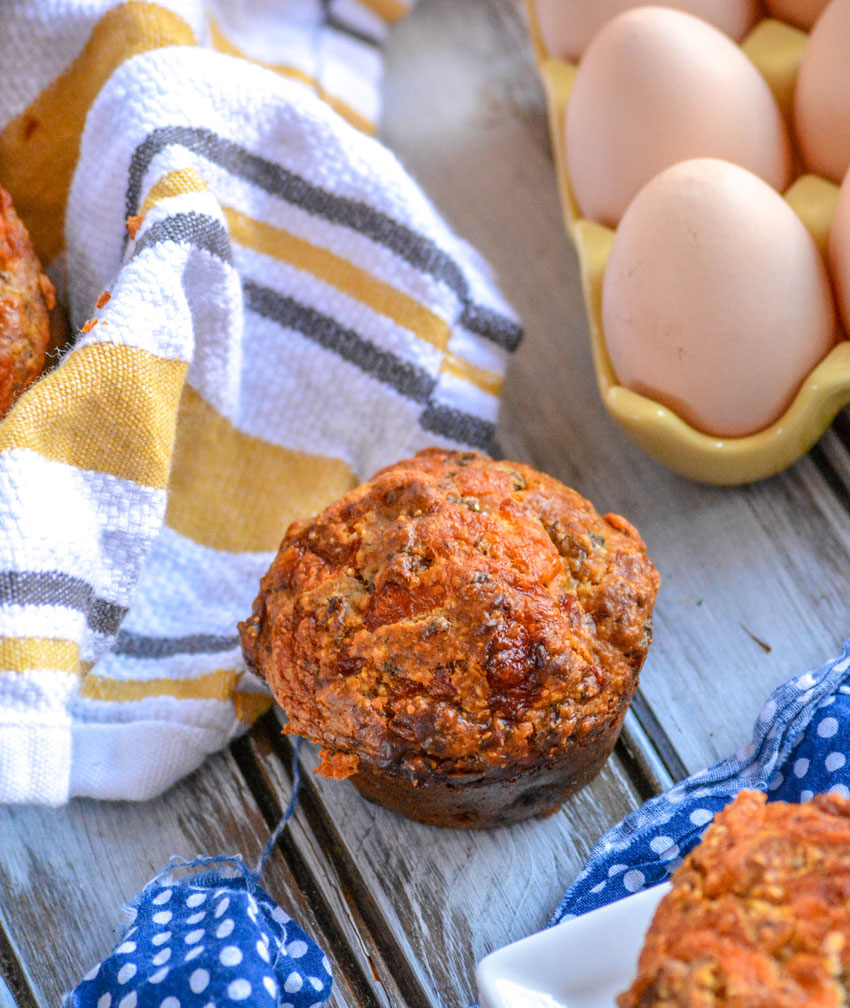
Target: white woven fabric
(287,313)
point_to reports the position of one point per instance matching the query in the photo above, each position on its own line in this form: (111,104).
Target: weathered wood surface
(405,910)
(765,562)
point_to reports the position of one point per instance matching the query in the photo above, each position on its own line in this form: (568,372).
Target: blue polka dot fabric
(209,942)
(800,748)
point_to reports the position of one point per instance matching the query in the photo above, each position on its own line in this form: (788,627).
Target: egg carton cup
(777,50)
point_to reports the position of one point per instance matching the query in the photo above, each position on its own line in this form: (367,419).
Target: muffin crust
(454,618)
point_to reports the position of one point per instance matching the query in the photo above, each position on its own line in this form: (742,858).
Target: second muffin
(462,636)
(759,913)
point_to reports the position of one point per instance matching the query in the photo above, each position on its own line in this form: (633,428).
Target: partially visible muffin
(27,298)
(759,913)
(462,636)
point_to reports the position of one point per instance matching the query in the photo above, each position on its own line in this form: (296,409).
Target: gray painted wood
(738,566)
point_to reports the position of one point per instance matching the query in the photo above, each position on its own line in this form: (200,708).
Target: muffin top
(453,615)
(758,914)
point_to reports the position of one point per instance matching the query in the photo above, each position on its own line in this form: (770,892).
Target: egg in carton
(776,49)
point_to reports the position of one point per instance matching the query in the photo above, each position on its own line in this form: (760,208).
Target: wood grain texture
(740,568)
(437,900)
(66,873)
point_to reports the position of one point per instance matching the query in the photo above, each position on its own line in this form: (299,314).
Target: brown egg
(567,26)
(839,251)
(822,94)
(716,302)
(800,13)
(655,87)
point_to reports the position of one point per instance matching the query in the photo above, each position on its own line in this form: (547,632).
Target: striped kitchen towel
(269,310)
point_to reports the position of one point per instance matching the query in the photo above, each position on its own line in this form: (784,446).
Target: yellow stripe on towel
(360,284)
(232,491)
(175,183)
(39,148)
(390,10)
(107,408)
(342,108)
(24,654)
(217,685)
(487,381)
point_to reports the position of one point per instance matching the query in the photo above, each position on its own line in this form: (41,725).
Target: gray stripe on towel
(136,646)
(192,228)
(57,589)
(419,251)
(407,379)
(459,426)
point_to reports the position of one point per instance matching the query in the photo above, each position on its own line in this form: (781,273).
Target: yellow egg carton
(777,50)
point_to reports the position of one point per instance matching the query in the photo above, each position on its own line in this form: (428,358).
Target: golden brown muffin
(759,913)
(462,636)
(26,300)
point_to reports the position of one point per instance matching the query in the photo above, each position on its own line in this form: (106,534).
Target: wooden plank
(65,874)
(741,568)
(437,900)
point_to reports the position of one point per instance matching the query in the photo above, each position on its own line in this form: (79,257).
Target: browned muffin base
(486,801)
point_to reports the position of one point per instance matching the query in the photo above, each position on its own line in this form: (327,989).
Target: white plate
(582,963)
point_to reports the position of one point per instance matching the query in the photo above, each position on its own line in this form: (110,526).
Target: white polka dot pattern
(799,749)
(238,990)
(828,727)
(226,944)
(230,955)
(198,981)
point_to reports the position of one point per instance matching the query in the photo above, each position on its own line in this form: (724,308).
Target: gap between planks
(15,988)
